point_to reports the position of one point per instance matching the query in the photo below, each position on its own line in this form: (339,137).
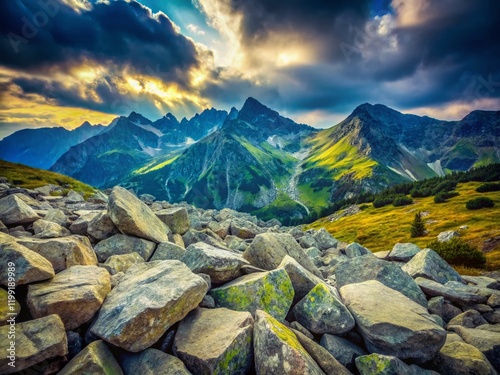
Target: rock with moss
(9,307)
(364,268)
(29,267)
(302,280)
(36,340)
(168,251)
(220,265)
(215,341)
(428,264)
(320,311)
(74,294)
(121,263)
(378,364)
(120,244)
(270,291)
(94,359)
(460,358)
(152,362)
(14,211)
(48,229)
(487,341)
(63,252)
(391,323)
(278,351)
(323,358)
(267,250)
(403,252)
(149,299)
(135,218)
(176,218)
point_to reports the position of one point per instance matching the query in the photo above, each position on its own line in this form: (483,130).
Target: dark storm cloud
(35,38)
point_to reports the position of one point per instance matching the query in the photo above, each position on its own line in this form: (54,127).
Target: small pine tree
(417,227)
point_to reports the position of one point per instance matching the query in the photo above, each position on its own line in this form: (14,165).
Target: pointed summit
(253,109)
(139,119)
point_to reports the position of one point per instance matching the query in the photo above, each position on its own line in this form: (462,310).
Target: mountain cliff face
(40,148)
(131,142)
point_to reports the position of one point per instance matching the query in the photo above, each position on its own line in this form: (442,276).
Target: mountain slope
(40,148)
(246,165)
(132,142)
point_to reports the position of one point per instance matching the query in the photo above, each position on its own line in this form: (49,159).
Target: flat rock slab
(48,229)
(120,244)
(320,311)
(63,252)
(391,323)
(152,362)
(216,341)
(364,268)
(133,217)
(149,299)
(278,351)
(75,294)
(36,340)
(220,265)
(461,297)
(403,252)
(13,211)
(269,291)
(94,359)
(20,265)
(428,264)
(267,250)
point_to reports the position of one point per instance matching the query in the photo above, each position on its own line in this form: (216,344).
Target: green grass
(281,207)
(340,158)
(380,228)
(155,165)
(30,178)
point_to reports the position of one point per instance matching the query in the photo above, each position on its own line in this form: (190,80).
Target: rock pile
(128,285)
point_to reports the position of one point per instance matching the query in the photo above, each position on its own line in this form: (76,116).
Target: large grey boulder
(428,264)
(175,218)
(73,198)
(267,250)
(324,240)
(391,323)
(63,252)
(95,359)
(101,227)
(168,251)
(403,252)
(121,244)
(460,297)
(74,294)
(220,265)
(364,268)
(320,311)
(152,362)
(469,319)
(342,350)
(488,342)
(447,236)
(13,211)
(387,365)
(354,250)
(269,291)
(278,351)
(81,225)
(160,293)
(48,229)
(21,264)
(36,340)
(121,263)
(243,229)
(215,341)
(57,216)
(135,218)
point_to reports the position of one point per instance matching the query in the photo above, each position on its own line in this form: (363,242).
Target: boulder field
(120,284)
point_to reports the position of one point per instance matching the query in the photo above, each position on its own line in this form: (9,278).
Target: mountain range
(257,161)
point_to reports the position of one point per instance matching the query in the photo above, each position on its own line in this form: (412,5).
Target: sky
(63,62)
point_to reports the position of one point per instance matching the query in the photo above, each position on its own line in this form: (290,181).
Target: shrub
(382,201)
(484,188)
(478,203)
(420,193)
(459,253)
(417,227)
(402,201)
(444,186)
(439,198)
(444,195)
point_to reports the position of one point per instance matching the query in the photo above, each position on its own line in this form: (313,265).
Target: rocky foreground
(117,284)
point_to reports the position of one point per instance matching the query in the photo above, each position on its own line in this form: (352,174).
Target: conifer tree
(417,227)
